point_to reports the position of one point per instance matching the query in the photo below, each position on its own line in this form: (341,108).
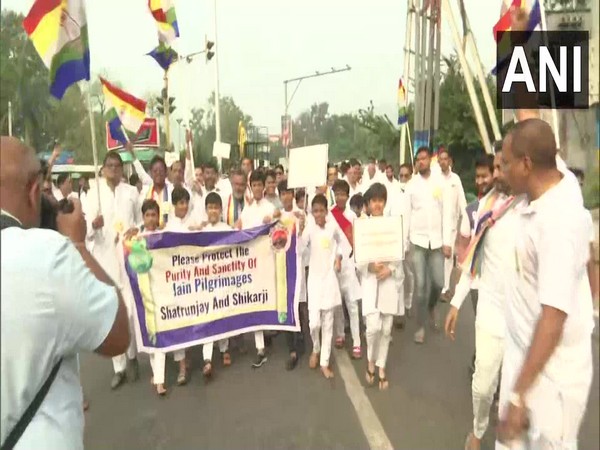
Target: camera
(50,210)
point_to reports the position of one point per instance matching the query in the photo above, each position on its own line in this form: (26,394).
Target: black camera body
(50,210)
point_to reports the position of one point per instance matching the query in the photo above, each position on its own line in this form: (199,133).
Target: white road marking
(367,417)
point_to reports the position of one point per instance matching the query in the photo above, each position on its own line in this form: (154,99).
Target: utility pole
(287,102)
(217,96)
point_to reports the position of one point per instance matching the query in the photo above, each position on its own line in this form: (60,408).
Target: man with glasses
(107,227)
(404,175)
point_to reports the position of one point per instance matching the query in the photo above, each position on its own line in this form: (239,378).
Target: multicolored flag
(163,12)
(504,24)
(124,111)
(402,114)
(164,55)
(58,31)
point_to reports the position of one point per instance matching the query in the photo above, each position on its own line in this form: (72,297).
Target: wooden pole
(94,148)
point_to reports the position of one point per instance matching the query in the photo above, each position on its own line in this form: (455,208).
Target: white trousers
(120,361)
(321,321)
(259,341)
(489,351)
(378,334)
(207,349)
(448,266)
(339,321)
(157,363)
(555,410)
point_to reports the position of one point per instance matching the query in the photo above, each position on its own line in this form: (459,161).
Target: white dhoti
(120,361)
(448,266)
(321,321)
(157,363)
(555,409)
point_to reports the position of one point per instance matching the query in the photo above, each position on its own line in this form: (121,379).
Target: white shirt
(178,225)
(497,264)
(58,195)
(52,307)
(430,212)
(322,244)
(253,215)
(552,250)
(121,211)
(458,201)
(355,190)
(219,226)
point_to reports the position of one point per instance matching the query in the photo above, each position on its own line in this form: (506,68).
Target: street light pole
(299,80)
(217,96)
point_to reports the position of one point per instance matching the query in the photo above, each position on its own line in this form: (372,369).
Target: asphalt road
(428,405)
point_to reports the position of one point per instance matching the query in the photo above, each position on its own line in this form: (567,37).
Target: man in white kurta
(120,212)
(547,367)
(458,203)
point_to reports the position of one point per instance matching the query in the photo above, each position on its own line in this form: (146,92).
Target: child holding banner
(349,285)
(294,219)
(259,212)
(382,299)
(180,198)
(151,216)
(322,240)
(214,209)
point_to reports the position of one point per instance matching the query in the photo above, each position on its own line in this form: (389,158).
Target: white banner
(378,239)
(308,166)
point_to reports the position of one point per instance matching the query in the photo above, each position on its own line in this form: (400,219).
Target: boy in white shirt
(214,210)
(293,219)
(322,240)
(151,216)
(343,218)
(257,213)
(180,199)
(382,299)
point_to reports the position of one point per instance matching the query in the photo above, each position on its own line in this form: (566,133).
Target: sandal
(339,342)
(356,353)
(226,359)
(182,379)
(370,377)
(383,383)
(207,368)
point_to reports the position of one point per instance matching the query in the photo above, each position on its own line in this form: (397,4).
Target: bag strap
(29,414)
(18,430)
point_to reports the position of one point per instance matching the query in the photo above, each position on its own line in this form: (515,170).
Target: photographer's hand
(72,225)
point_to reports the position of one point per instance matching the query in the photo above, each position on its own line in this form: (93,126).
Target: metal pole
(217,96)
(468,78)
(406,72)
(429,85)
(417,78)
(94,148)
(472,45)
(10,118)
(167,107)
(287,142)
(437,71)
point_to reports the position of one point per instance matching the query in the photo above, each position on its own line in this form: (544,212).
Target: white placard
(170,158)
(221,150)
(378,239)
(308,166)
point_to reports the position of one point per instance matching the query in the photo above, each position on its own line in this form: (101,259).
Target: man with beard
(430,234)
(107,229)
(495,260)
(354,173)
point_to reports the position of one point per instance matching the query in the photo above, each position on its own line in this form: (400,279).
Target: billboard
(148,136)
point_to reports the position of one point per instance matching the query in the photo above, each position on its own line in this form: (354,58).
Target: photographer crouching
(56,302)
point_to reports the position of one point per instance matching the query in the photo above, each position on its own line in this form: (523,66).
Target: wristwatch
(516,400)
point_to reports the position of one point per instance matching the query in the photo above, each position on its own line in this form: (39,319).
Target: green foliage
(38,118)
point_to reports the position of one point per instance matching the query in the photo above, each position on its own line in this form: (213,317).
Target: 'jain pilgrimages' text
(207,272)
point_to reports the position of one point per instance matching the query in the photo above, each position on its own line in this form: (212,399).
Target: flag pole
(94,148)
(10,118)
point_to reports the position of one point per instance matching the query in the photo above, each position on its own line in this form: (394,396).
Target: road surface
(428,405)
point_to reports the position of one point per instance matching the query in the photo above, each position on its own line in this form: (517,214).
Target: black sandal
(370,378)
(383,384)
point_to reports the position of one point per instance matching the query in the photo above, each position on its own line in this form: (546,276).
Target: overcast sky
(263,42)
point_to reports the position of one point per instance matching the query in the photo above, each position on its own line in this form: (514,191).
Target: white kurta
(385,297)
(323,247)
(349,284)
(289,219)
